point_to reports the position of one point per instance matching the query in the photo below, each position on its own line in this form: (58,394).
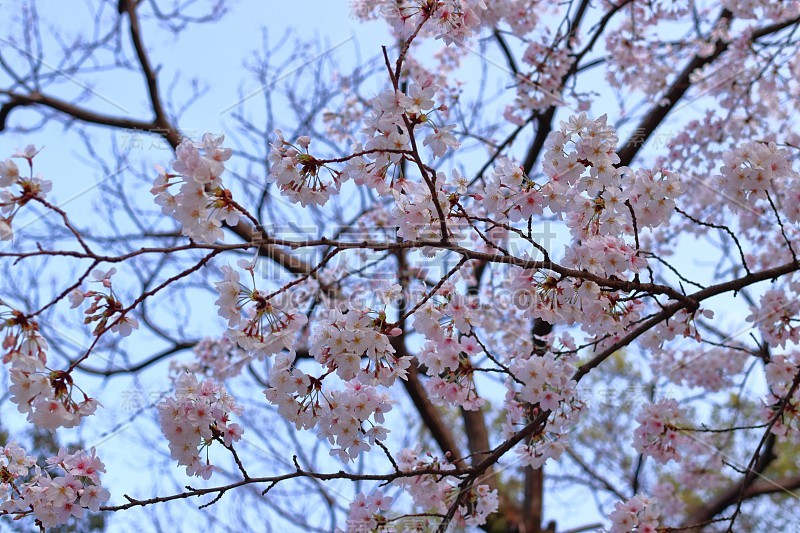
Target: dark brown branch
(160,119)
(501,41)
(651,121)
(428,413)
(430,416)
(648,125)
(299,473)
(140,365)
(74,111)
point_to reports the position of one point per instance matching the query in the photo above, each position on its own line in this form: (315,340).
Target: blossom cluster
(602,204)
(638,513)
(435,492)
(446,353)
(683,324)
(448,323)
(710,369)
(582,144)
(366,512)
(255,324)
(451,373)
(510,194)
(201,204)
(350,419)
(522,16)
(776,317)
(27,489)
(199,414)
(605,256)
(541,87)
(50,398)
(564,300)
(391,120)
(542,383)
(604,200)
(781,373)
(630,56)
(340,341)
(415,212)
(450,311)
(105,309)
(297,173)
(749,172)
(755,9)
(549,445)
(453,21)
(219,358)
(658,434)
(16,191)
(547,380)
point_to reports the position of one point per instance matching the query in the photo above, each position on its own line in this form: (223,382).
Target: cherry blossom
(16,190)
(201,204)
(659,433)
(197,415)
(366,511)
(782,376)
(413,274)
(775,317)
(106,310)
(433,492)
(639,514)
(52,497)
(350,419)
(340,341)
(49,398)
(441,139)
(256,324)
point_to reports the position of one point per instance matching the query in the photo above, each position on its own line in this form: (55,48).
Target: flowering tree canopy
(523,252)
